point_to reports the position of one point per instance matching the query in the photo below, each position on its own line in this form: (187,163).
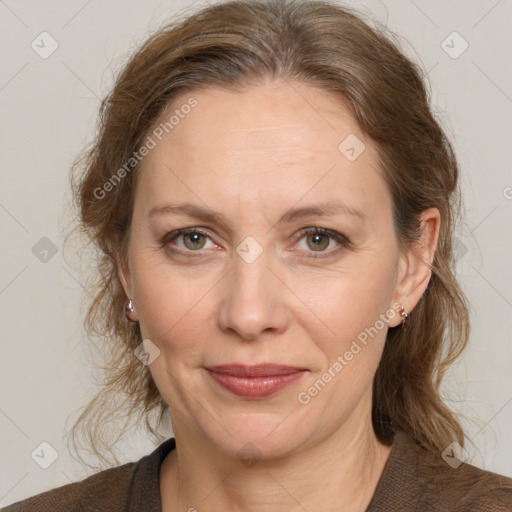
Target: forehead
(274,143)
(270,120)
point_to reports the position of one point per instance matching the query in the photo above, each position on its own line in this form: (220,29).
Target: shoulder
(108,486)
(419,479)
(132,486)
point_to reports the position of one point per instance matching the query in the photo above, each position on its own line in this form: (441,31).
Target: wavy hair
(328,46)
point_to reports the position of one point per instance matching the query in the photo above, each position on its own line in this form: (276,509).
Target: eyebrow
(319,210)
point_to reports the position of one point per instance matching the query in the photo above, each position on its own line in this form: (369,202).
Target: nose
(254,302)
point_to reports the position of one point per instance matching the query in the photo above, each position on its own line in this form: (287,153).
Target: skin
(251,157)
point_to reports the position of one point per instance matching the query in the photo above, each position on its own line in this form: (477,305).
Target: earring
(403,314)
(128,308)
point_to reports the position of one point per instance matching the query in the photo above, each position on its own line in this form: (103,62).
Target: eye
(313,240)
(320,240)
(188,239)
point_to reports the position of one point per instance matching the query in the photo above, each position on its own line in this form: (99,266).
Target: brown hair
(323,44)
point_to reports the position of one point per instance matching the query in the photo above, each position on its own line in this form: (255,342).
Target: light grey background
(48,113)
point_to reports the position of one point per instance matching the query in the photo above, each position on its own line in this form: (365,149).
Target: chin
(265,436)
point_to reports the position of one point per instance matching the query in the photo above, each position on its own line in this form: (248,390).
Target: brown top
(413,480)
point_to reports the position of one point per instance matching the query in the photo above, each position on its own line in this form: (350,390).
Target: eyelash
(314,230)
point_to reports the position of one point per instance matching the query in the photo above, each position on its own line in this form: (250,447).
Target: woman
(274,205)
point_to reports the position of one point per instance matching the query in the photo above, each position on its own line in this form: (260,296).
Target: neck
(341,470)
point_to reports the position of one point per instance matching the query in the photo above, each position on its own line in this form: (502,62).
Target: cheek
(354,309)
(172,309)
(174,313)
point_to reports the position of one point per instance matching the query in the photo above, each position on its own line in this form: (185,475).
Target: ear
(415,264)
(125,278)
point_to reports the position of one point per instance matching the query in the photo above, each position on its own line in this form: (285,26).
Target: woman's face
(251,175)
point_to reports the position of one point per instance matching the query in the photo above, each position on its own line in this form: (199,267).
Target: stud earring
(128,308)
(403,314)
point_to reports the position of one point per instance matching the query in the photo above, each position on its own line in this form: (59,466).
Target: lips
(257,381)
